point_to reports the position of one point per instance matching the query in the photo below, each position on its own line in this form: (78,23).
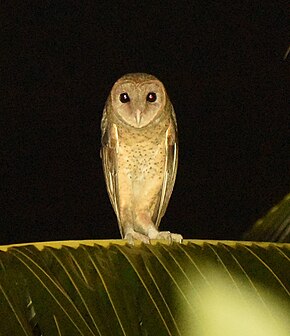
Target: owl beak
(138,116)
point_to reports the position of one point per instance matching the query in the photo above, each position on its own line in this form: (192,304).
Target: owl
(139,154)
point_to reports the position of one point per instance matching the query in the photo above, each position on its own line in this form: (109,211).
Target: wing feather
(170,170)
(109,151)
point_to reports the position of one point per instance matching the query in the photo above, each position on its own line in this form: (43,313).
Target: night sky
(222,65)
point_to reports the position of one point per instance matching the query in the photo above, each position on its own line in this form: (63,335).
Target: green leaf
(275,226)
(13,314)
(98,288)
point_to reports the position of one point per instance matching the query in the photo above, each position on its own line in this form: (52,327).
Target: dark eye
(151,97)
(124,97)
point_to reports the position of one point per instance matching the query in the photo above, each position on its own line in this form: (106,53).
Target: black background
(222,64)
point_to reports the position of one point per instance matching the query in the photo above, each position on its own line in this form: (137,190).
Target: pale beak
(138,116)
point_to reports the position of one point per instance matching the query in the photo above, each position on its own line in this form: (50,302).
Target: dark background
(222,64)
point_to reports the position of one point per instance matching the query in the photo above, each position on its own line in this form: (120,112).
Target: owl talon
(176,237)
(131,237)
(170,237)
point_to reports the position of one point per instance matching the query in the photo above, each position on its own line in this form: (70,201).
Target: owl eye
(151,97)
(124,97)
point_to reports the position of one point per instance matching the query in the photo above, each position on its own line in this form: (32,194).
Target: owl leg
(131,236)
(129,232)
(144,224)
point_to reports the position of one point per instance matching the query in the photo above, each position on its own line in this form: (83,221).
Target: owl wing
(170,170)
(109,150)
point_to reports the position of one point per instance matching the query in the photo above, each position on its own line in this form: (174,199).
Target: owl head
(137,99)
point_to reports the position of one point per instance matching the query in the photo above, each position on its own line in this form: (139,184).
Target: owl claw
(169,237)
(131,237)
(134,236)
(176,237)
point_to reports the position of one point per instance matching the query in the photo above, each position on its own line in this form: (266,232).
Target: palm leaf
(110,288)
(275,226)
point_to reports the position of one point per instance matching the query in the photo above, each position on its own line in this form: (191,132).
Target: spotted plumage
(139,153)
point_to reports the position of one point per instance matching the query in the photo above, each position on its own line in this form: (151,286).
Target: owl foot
(168,236)
(133,236)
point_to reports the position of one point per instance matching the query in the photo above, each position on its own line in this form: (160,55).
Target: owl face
(138,101)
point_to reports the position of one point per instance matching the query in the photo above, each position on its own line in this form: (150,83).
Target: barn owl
(139,153)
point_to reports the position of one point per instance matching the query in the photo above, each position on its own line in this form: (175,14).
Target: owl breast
(142,154)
